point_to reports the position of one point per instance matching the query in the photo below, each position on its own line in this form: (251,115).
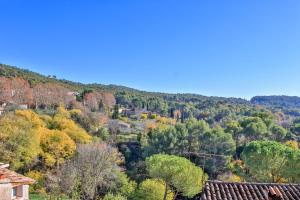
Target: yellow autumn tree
(31,117)
(62,121)
(20,138)
(39,185)
(292,143)
(56,147)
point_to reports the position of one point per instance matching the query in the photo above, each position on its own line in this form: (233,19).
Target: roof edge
(250,183)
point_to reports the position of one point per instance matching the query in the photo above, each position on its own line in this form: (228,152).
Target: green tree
(292,166)
(177,172)
(234,128)
(116,114)
(124,185)
(102,133)
(152,189)
(296,128)
(195,129)
(266,116)
(171,140)
(268,161)
(278,132)
(218,142)
(254,128)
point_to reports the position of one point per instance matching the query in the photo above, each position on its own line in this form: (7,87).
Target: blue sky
(211,47)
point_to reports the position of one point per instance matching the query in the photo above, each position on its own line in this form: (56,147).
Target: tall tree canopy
(152,189)
(217,142)
(62,121)
(20,138)
(268,161)
(176,172)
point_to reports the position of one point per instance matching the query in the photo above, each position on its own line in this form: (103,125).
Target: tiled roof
(216,190)
(8,176)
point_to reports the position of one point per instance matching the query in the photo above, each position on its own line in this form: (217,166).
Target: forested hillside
(93,141)
(290,105)
(277,101)
(37,86)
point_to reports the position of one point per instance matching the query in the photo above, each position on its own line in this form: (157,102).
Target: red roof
(8,176)
(217,190)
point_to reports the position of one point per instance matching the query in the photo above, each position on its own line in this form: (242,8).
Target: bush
(144,116)
(153,116)
(39,184)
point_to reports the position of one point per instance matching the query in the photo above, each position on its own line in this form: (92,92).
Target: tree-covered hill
(35,78)
(277,101)
(195,105)
(290,105)
(213,109)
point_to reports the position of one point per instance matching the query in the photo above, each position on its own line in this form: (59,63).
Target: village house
(5,106)
(73,95)
(1,110)
(119,126)
(13,186)
(217,190)
(23,106)
(136,113)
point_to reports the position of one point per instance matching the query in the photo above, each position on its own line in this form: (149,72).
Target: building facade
(13,186)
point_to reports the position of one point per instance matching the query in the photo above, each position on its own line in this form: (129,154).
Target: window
(17,192)
(14,193)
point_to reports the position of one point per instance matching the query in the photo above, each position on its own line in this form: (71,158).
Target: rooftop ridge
(251,183)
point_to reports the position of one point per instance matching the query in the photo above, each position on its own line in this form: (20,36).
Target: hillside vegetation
(93,141)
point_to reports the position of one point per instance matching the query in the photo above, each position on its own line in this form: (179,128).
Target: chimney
(274,193)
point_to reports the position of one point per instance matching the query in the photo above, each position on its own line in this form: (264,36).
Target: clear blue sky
(213,47)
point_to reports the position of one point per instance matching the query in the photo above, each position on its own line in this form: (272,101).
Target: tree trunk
(175,196)
(166,191)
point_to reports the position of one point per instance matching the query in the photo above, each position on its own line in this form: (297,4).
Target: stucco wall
(5,191)
(25,192)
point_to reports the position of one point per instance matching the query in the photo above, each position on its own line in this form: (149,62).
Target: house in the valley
(1,110)
(2,107)
(23,106)
(135,113)
(71,96)
(12,106)
(217,190)
(118,126)
(13,185)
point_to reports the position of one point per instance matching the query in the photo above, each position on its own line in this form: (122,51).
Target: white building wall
(25,192)
(5,191)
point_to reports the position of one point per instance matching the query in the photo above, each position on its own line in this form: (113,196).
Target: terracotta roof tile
(217,190)
(7,175)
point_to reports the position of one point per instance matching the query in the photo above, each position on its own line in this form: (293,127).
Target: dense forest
(94,141)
